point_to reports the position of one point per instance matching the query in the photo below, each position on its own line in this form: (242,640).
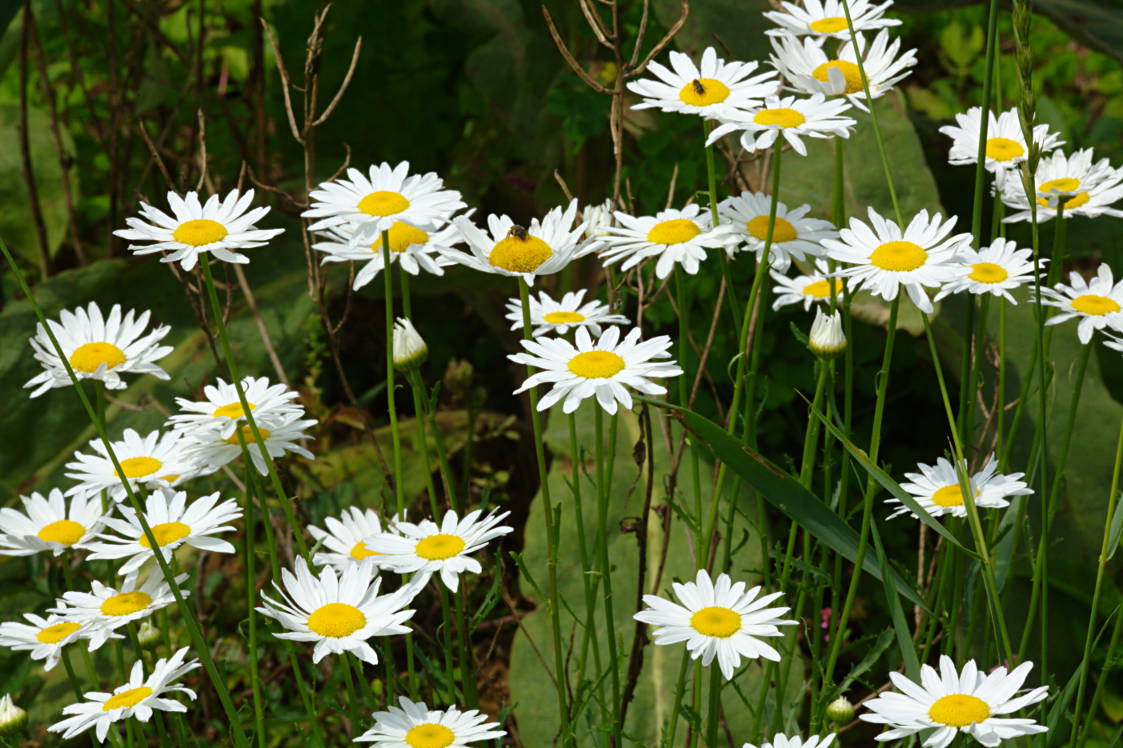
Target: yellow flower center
(959,710)
(383,203)
(126,603)
(988,272)
(132,697)
(780,117)
(138,467)
(596,364)
(829,25)
(57,632)
(674,231)
(1074,202)
(64,531)
(849,70)
(716,621)
(782,231)
(429,735)
(360,551)
(166,532)
(439,547)
(1064,184)
(402,237)
(336,620)
(950,495)
(89,356)
(232,410)
(563,318)
(821,289)
(247,434)
(520,255)
(1004,149)
(199,232)
(703,92)
(1095,305)
(898,256)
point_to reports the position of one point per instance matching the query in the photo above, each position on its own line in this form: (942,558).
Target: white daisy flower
(783,741)
(210,449)
(346,539)
(543,248)
(220,412)
(103,610)
(885,258)
(936,488)
(792,117)
(712,89)
(221,226)
(720,620)
(158,459)
(101,348)
(793,234)
(951,701)
(997,269)
(48,524)
(548,316)
(676,237)
(172,522)
(415,725)
(339,613)
(139,698)
(428,548)
(366,205)
(1006,144)
(1096,304)
(412,248)
(805,64)
(44,638)
(606,369)
(815,287)
(1086,188)
(823,19)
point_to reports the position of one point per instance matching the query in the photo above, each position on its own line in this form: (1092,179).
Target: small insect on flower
(1097,304)
(44,638)
(794,236)
(951,701)
(220,227)
(1084,188)
(722,620)
(711,89)
(103,610)
(936,488)
(1006,144)
(139,698)
(548,316)
(790,117)
(97,347)
(415,725)
(783,741)
(48,524)
(221,412)
(997,270)
(346,539)
(158,459)
(816,287)
(823,19)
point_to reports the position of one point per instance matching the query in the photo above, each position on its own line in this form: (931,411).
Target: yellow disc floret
(360,551)
(402,236)
(1095,305)
(988,272)
(821,289)
(126,603)
(1004,149)
(439,547)
(703,92)
(166,532)
(848,69)
(63,531)
(383,203)
(336,620)
(716,621)
(674,231)
(596,364)
(779,117)
(55,633)
(429,735)
(828,25)
(898,256)
(959,710)
(232,410)
(132,697)
(782,230)
(138,467)
(520,253)
(563,318)
(199,232)
(89,356)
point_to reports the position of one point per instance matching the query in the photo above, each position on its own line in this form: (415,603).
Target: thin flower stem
(1000,406)
(71,676)
(251,610)
(680,689)
(713,720)
(352,700)
(391,407)
(603,499)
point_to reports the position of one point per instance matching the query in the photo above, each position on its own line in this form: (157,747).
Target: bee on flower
(711,89)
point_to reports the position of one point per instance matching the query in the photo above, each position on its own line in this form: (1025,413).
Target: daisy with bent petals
(44,638)
(221,411)
(97,347)
(103,610)
(1096,303)
(428,548)
(1086,188)
(823,19)
(711,90)
(606,369)
(793,234)
(951,701)
(1006,144)
(173,523)
(210,449)
(997,269)
(676,237)
(936,488)
(783,741)
(885,258)
(48,524)
(792,117)
(338,613)
(139,697)
(815,287)
(415,725)
(346,539)
(221,226)
(548,316)
(158,459)
(412,248)
(722,620)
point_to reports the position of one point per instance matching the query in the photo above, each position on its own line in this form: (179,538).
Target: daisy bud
(827,339)
(840,711)
(148,635)
(12,718)
(410,350)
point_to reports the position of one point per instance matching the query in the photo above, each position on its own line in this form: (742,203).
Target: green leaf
(896,612)
(1116,529)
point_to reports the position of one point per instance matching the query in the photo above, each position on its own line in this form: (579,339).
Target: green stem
(251,612)
(713,721)
(391,406)
(603,499)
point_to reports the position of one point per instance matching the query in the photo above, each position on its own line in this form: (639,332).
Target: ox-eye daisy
(104,609)
(415,725)
(548,316)
(951,701)
(1085,188)
(338,613)
(1097,303)
(346,539)
(792,117)
(793,234)
(713,89)
(815,287)
(675,237)
(884,257)
(1006,144)
(44,638)
(414,250)
(783,741)
(722,620)
(139,697)
(429,548)
(221,226)
(158,459)
(936,488)
(365,205)
(606,368)
(822,19)
(997,270)
(97,347)
(48,524)
(211,450)
(221,411)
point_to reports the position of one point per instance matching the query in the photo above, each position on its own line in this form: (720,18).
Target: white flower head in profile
(1006,144)
(346,537)
(996,270)
(711,89)
(411,248)
(104,609)
(794,235)
(672,237)
(1096,304)
(220,411)
(815,287)
(1084,187)
(550,317)
(45,638)
(826,19)
(156,459)
(792,118)
(50,523)
(937,490)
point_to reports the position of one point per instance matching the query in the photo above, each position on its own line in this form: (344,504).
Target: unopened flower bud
(148,635)
(410,350)
(12,718)
(598,218)
(840,711)
(827,339)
